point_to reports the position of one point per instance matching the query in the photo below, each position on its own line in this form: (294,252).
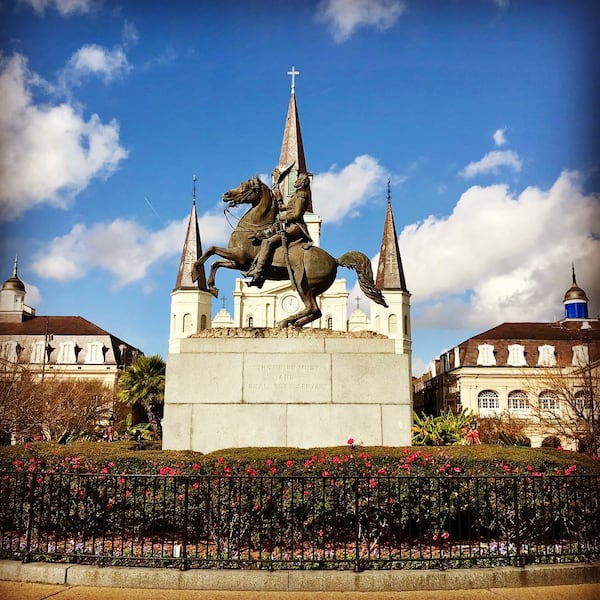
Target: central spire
(292,148)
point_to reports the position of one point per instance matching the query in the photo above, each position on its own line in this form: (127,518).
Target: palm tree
(143,384)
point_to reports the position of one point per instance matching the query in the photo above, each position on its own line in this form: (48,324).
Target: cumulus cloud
(63,7)
(123,248)
(502,257)
(93,59)
(338,194)
(48,153)
(344,17)
(500,137)
(493,162)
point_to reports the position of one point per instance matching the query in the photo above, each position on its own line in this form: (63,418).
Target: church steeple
(191,303)
(192,251)
(390,274)
(292,148)
(575,301)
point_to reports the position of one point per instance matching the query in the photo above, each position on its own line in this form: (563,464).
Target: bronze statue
(288,228)
(262,246)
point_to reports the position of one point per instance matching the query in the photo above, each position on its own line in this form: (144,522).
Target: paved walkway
(15,590)
(37,581)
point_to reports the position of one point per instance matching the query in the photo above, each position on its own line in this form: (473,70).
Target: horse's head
(248,192)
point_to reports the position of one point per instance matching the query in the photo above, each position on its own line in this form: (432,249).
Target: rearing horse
(312,270)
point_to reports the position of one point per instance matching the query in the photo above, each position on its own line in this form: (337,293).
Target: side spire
(192,251)
(390,274)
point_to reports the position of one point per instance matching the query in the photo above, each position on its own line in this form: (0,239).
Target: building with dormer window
(64,346)
(543,374)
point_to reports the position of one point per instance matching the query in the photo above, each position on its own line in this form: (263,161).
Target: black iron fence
(301,522)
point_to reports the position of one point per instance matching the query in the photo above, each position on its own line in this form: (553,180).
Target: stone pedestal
(302,388)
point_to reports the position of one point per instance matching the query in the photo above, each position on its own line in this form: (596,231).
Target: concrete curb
(299,581)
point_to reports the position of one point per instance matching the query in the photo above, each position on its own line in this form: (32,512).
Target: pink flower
(350,441)
(445,535)
(289,464)
(196,466)
(372,482)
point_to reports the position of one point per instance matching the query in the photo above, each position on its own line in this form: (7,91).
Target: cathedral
(191,303)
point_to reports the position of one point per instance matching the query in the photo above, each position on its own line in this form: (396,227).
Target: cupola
(575,301)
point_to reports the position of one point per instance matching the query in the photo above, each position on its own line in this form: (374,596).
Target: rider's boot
(256,271)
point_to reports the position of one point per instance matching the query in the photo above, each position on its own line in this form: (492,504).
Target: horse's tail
(360,263)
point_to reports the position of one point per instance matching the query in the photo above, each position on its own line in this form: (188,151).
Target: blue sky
(483,113)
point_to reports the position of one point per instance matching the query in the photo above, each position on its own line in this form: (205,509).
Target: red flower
(350,441)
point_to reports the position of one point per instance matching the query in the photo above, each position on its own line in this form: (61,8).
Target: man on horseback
(288,227)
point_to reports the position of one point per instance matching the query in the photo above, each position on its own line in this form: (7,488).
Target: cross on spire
(293,73)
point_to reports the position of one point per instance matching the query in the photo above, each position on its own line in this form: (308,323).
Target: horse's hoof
(214,291)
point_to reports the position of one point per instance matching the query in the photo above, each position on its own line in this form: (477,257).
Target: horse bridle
(255,186)
(256,183)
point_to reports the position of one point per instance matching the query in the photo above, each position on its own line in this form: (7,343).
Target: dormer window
(37,352)
(546,356)
(95,353)
(485,357)
(9,351)
(516,356)
(580,356)
(67,353)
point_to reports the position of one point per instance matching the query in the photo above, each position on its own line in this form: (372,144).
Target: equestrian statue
(271,242)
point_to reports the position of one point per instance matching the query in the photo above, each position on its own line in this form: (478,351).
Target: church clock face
(290,304)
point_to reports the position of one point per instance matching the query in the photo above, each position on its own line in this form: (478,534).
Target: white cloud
(129,34)
(63,7)
(123,248)
(344,17)
(33,297)
(500,137)
(338,194)
(48,153)
(93,59)
(167,57)
(500,257)
(492,162)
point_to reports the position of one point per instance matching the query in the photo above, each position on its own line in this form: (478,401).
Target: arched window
(392,323)
(187,323)
(518,402)
(549,401)
(329,323)
(582,402)
(250,321)
(203,322)
(377,324)
(488,402)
